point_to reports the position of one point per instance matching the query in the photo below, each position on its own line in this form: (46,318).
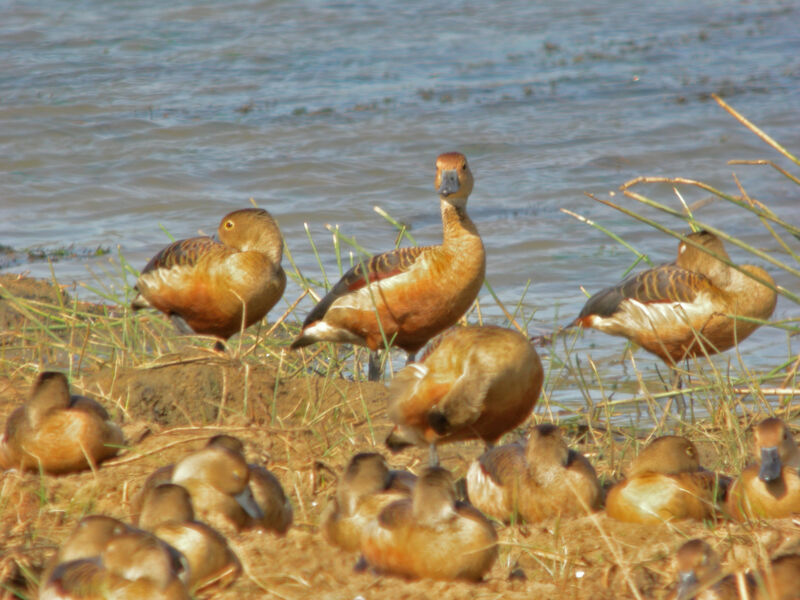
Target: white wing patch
(483,490)
(648,498)
(323,332)
(634,315)
(368,296)
(172,277)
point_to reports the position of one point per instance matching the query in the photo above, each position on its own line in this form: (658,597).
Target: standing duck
(218,288)
(58,432)
(535,481)
(431,534)
(683,309)
(408,295)
(477,383)
(368,485)
(665,482)
(771,488)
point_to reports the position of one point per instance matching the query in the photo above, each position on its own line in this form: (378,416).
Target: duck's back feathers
(667,283)
(184,253)
(377,268)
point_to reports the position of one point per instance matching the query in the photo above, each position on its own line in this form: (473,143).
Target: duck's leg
(361,565)
(374,370)
(180,324)
(434,456)
(677,384)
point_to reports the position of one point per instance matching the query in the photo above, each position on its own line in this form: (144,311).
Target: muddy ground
(305,429)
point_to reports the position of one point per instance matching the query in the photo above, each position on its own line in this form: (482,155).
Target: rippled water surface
(120,118)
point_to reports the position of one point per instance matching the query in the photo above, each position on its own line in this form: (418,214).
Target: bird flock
(471,382)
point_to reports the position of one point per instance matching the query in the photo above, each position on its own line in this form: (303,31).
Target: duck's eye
(228,224)
(464,167)
(690,452)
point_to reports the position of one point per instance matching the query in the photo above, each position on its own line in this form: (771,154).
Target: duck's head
(50,392)
(366,474)
(697,564)
(252,229)
(695,259)
(434,497)
(166,503)
(453,178)
(229,442)
(90,537)
(774,447)
(546,446)
(669,454)
(141,555)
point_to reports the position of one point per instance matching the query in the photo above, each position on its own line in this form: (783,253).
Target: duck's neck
(459,231)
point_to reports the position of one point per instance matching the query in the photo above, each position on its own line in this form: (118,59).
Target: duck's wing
(667,283)
(88,405)
(503,464)
(183,253)
(396,514)
(377,268)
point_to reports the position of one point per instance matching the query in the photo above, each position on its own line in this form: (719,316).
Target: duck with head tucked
(367,486)
(225,490)
(220,287)
(770,488)
(696,305)
(58,432)
(133,565)
(431,534)
(700,576)
(406,296)
(535,481)
(167,512)
(665,482)
(475,383)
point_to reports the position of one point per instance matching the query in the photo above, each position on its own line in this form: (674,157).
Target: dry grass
(304,414)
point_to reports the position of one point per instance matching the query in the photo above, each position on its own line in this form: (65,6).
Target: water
(119,118)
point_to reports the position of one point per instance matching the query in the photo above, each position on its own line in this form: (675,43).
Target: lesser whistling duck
(431,534)
(700,575)
(368,485)
(477,383)
(664,482)
(58,432)
(218,481)
(167,512)
(780,580)
(408,295)
(770,489)
(535,481)
(225,489)
(682,309)
(218,288)
(133,565)
(88,540)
